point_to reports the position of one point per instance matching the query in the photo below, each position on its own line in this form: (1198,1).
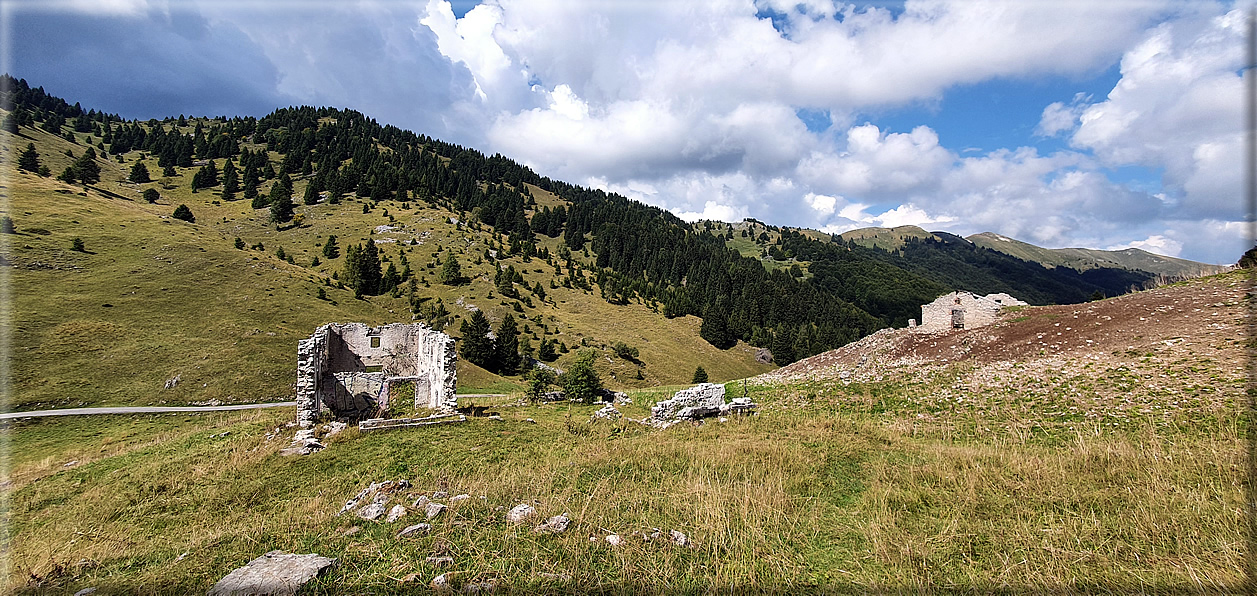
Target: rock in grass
(615,540)
(520,513)
(435,509)
(439,561)
(457,498)
(486,587)
(275,572)
(679,538)
(396,513)
(555,525)
(441,584)
(372,511)
(415,530)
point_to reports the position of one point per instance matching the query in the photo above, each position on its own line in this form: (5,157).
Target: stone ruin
(350,368)
(963,310)
(698,402)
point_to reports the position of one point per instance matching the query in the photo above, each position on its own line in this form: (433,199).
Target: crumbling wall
(346,368)
(706,396)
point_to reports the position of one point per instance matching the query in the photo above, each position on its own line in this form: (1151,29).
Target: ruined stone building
(963,310)
(349,369)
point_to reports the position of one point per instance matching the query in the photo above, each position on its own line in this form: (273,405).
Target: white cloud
(1156,244)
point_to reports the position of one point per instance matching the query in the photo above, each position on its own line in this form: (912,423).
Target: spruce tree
(182,212)
(700,376)
(330,249)
(476,346)
(86,169)
(451,272)
(506,346)
(29,160)
(281,201)
(139,173)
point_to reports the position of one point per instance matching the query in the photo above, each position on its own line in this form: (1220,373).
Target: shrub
(77,245)
(151,195)
(581,380)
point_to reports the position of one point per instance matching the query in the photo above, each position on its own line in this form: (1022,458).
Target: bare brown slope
(1183,339)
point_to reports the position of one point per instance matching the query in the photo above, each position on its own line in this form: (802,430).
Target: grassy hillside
(1088,258)
(889,239)
(154,298)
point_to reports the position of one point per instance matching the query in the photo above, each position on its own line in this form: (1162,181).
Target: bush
(151,195)
(625,351)
(539,381)
(77,245)
(581,380)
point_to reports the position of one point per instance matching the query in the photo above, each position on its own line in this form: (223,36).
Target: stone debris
(608,412)
(421,502)
(696,403)
(520,512)
(275,572)
(376,491)
(440,494)
(458,498)
(434,510)
(85,592)
(555,525)
(372,511)
(440,561)
(678,538)
(173,382)
(351,530)
(415,530)
(392,423)
(441,583)
(303,443)
(70,464)
(615,540)
(480,587)
(558,577)
(530,420)
(396,513)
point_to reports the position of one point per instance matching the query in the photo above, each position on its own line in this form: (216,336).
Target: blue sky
(1104,125)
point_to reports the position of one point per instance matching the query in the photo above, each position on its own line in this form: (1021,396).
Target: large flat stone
(275,572)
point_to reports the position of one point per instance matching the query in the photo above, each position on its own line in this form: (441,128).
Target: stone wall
(963,310)
(346,368)
(703,395)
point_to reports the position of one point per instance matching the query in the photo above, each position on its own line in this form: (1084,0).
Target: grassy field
(153,298)
(829,488)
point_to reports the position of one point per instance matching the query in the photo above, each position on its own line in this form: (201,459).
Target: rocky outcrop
(700,401)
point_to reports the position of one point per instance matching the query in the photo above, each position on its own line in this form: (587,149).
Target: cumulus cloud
(1156,243)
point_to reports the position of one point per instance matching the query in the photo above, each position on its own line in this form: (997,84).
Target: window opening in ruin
(375,341)
(958,318)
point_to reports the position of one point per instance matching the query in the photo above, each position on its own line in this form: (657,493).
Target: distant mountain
(1083,259)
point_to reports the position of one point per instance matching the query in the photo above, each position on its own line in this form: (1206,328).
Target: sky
(1065,124)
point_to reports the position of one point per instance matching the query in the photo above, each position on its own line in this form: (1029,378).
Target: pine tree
(182,212)
(545,352)
(362,269)
(281,201)
(451,272)
(29,160)
(506,346)
(700,376)
(139,173)
(231,180)
(86,169)
(151,195)
(476,346)
(330,249)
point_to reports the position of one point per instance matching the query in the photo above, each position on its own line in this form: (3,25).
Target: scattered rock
(555,525)
(439,561)
(376,491)
(396,513)
(607,412)
(415,530)
(615,540)
(173,382)
(435,509)
(85,592)
(520,512)
(421,502)
(441,583)
(71,464)
(763,356)
(182,556)
(530,420)
(351,530)
(440,494)
(275,572)
(371,511)
(457,498)
(679,538)
(479,587)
